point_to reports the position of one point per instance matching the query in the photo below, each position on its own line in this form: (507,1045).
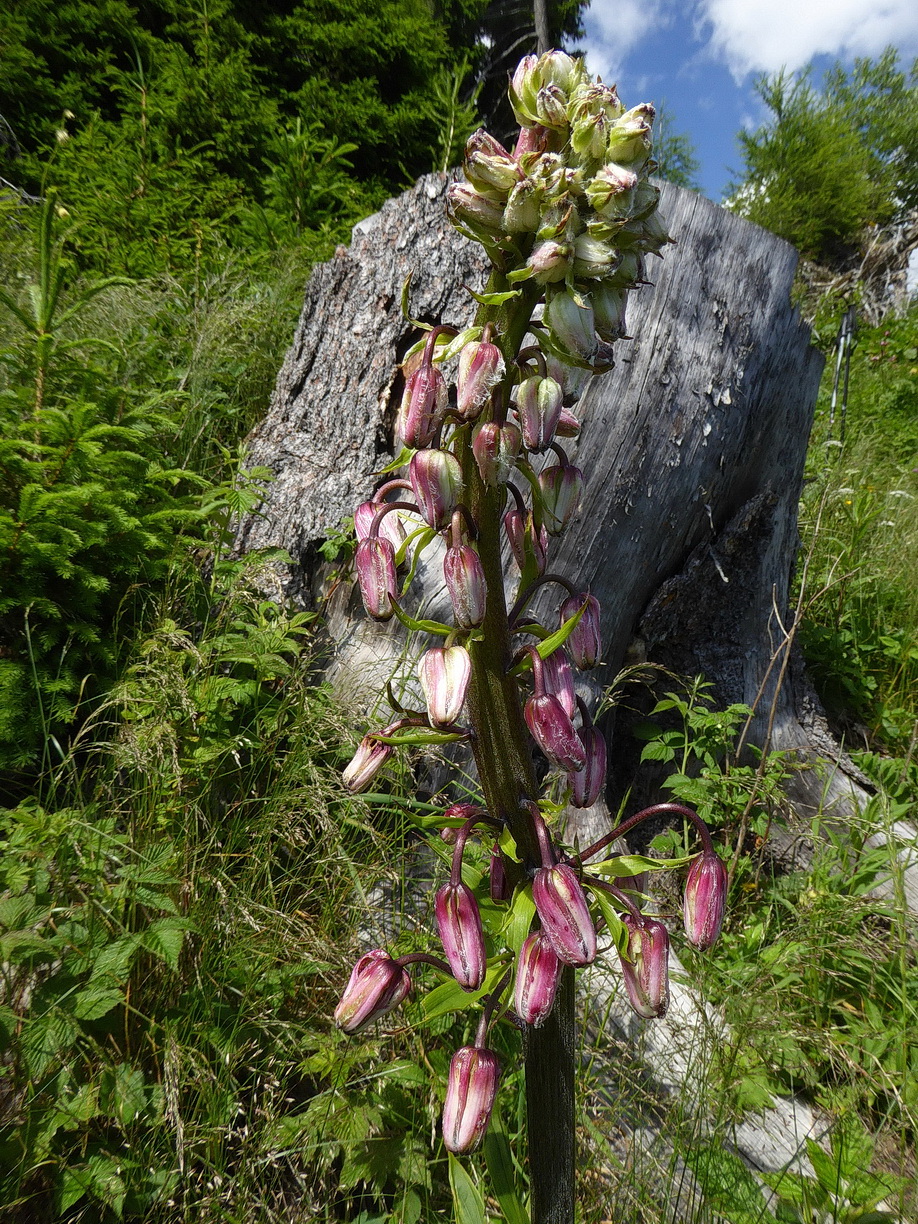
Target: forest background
(182,870)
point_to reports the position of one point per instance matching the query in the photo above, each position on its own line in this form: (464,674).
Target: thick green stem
(501,745)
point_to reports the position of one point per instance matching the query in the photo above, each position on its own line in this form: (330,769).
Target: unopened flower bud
(587,784)
(585,640)
(490,171)
(550,261)
(558,679)
(525,540)
(530,140)
(538,972)
(496,449)
(377,984)
(611,192)
(552,729)
(498,884)
(436,478)
(538,405)
(474,209)
(568,426)
(375,563)
(481,366)
(562,487)
(571,322)
(466,584)
(562,908)
(524,89)
(630,271)
(630,138)
(551,107)
(423,402)
(609,311)
(459,924)
(522,213)
(444,672)
(471,1086)
(593,258)
(646,971)
(573,378)
(366,763)
(705,899)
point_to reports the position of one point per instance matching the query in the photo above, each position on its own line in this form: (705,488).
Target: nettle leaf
(47,1041)
(114,960)
(124,1093)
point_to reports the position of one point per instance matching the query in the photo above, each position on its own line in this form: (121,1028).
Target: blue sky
(701,57)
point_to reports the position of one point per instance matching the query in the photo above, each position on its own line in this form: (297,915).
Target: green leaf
(519,917)
(617,928)
(165,938)
(94,1002)
(634,864)
(422,626)
(450,997)
(499,1160)
(496,299)
(468,1204)
(422,735)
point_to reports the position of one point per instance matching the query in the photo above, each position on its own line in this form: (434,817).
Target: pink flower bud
(459,924)
(466,584)
(471,1087)
(444,673)
(391,525)
(474,209)
(538,973)
(538,404)
(366,763)
(568,426)
(705,899)
(423,402)
(523,538)
(564,913)
(562,487)
(496,449)
(646,972)
(551,728)
(585,641)
(488,169)
(530,140)
(377,984)
(498,885)
(550,260)
(557,678)
(587,783)
(436,479)
(375,562)
(481,367)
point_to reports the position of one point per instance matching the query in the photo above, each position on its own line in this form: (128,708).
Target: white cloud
(615,28)
(767,35)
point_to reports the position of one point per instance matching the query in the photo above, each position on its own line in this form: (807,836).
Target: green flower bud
(521,216)
(593,258)
(571,322)
(550,261)
(612,191)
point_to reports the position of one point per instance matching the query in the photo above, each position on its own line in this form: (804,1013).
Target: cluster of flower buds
(573,199)
(567,218)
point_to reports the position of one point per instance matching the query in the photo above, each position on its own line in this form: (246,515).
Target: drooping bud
(630,138)
(471,1087)
(538,973)
(522,535)
(444,672)
(498,884)
(487,164)
(365,764)
(562,907)
(705,899)
(552,729)
(609,311)
(375,563)
(571,322)
(558,679)
(538,404)
(423,402)
(573,378)
(562,487)
(630,271)
(465,581)
(481,366)
(524,89)
(496,449)
(587,783)
(593,257)
(585,640)
(459,924)
(646,972)
(377,984)
(436,478)
(568,426)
